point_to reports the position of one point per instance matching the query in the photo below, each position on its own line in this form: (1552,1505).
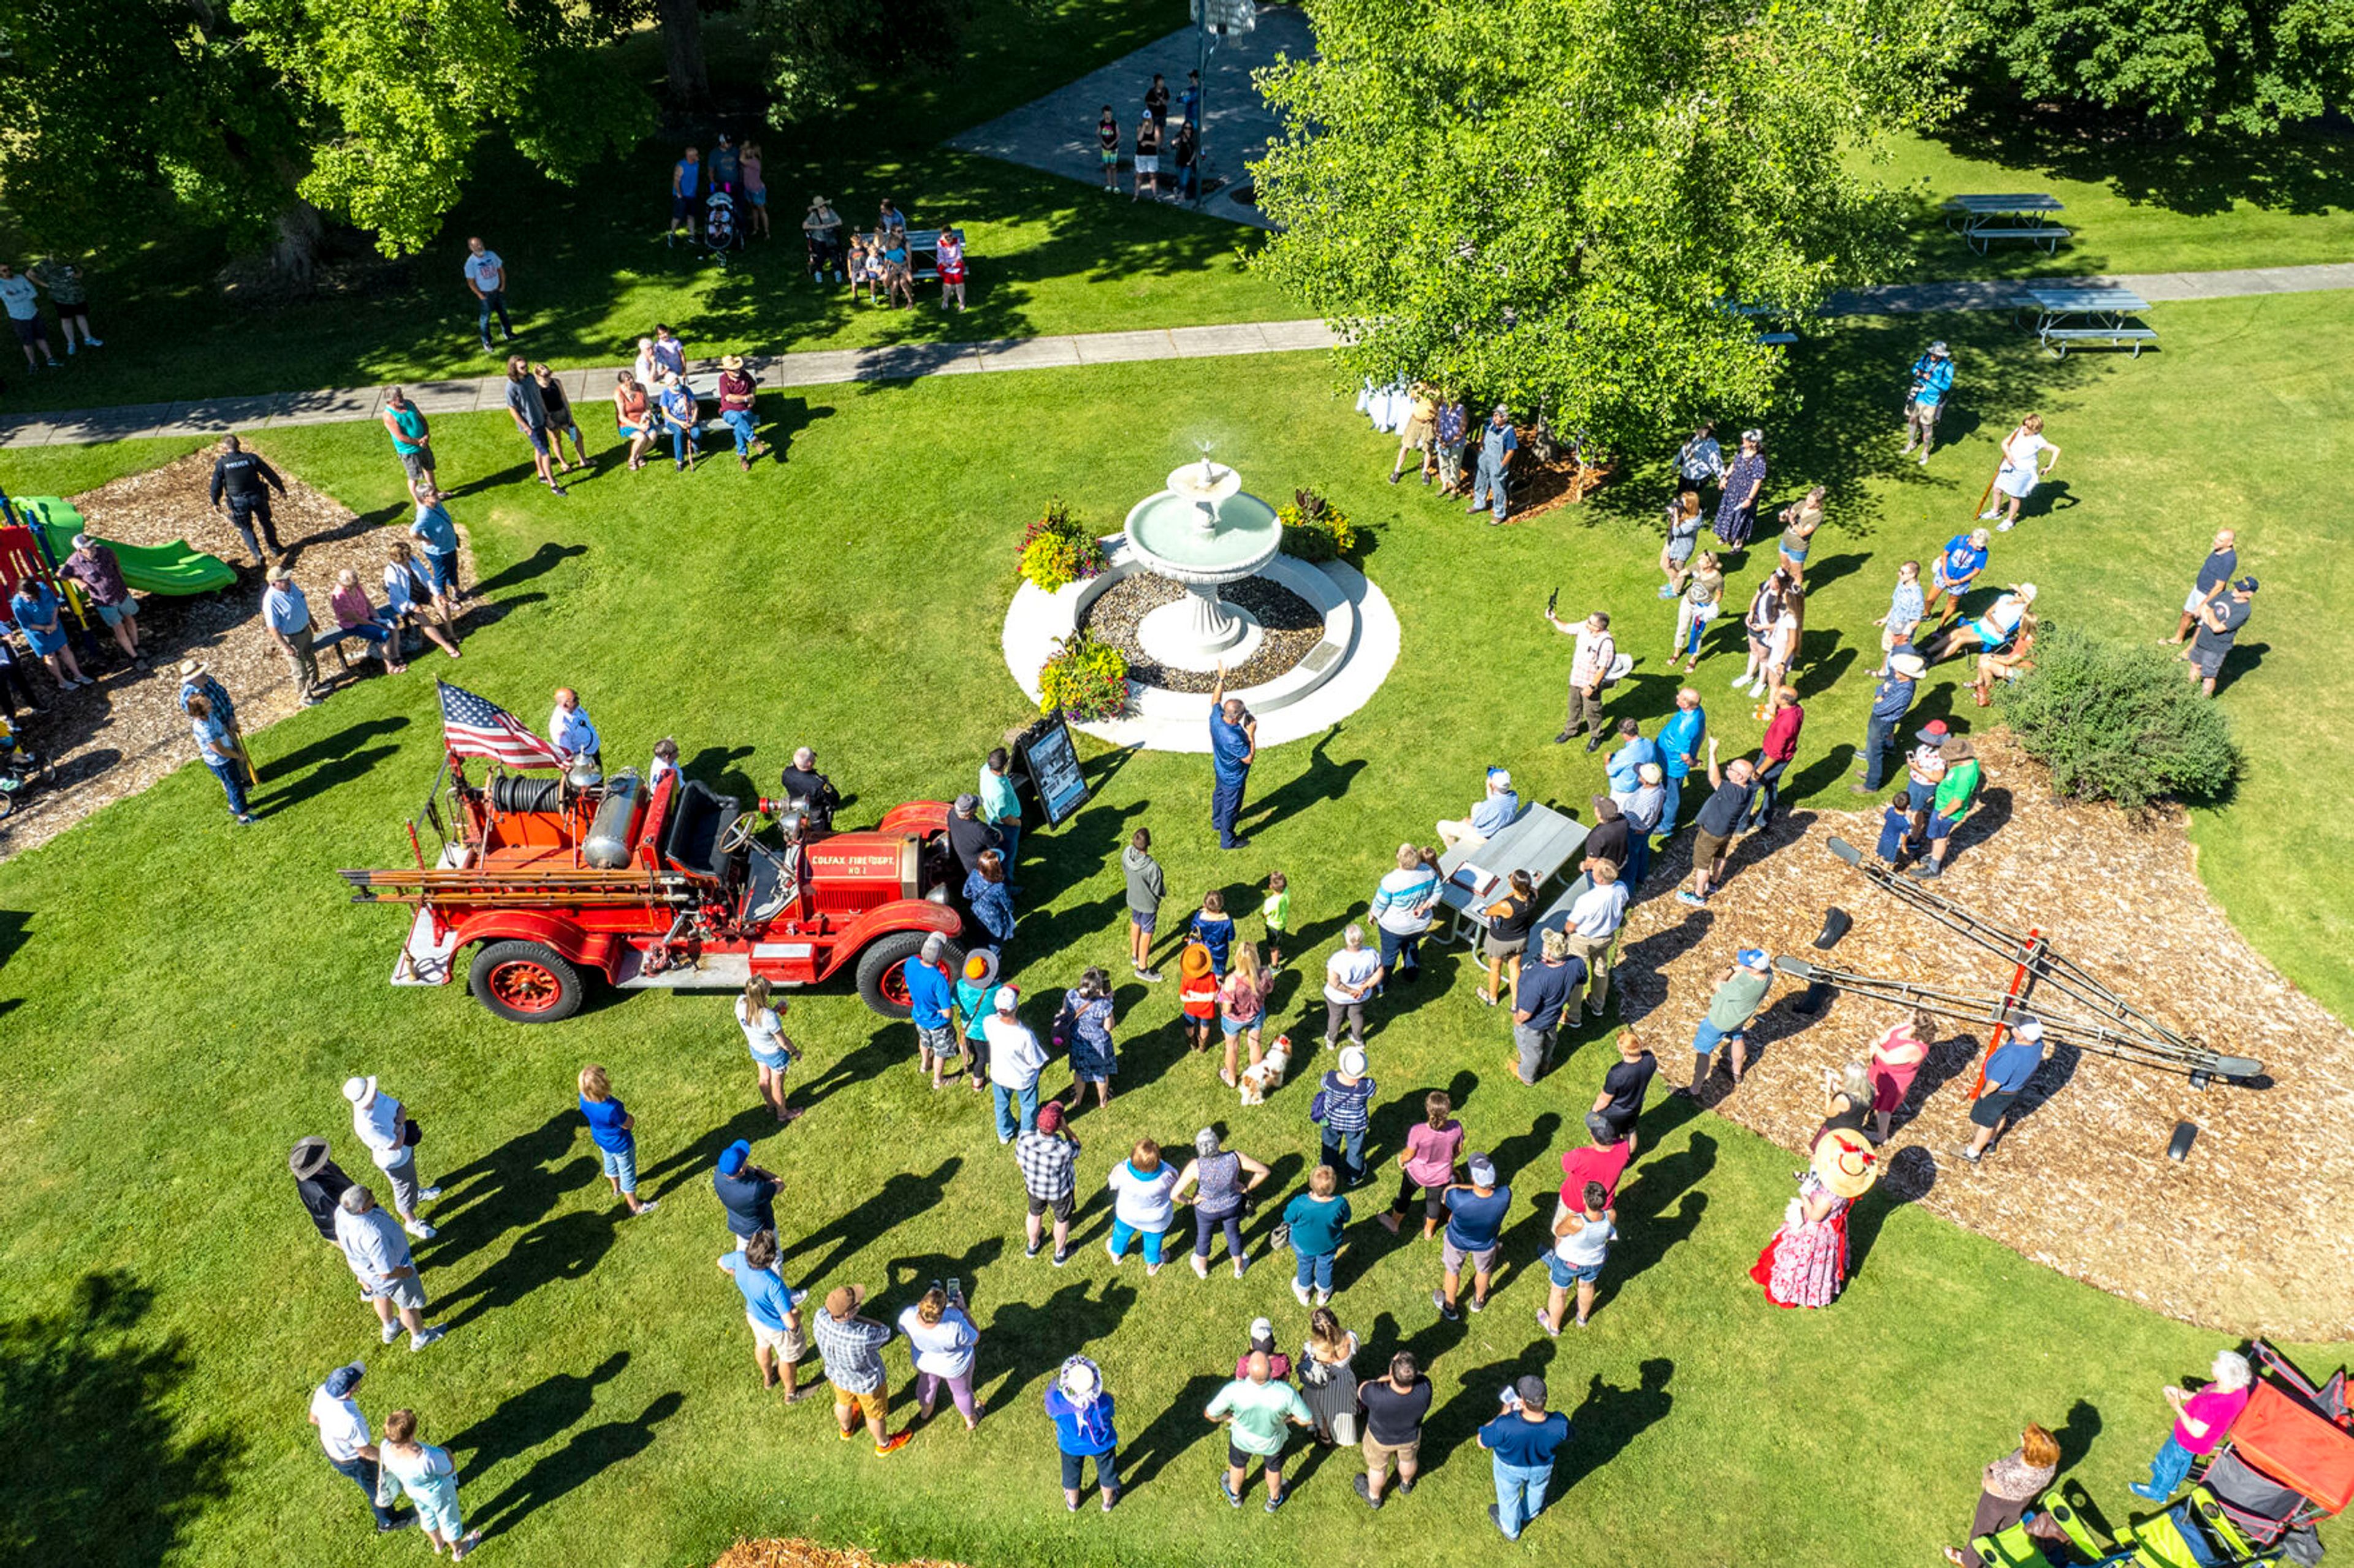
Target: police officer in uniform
(812,792)
(245,480)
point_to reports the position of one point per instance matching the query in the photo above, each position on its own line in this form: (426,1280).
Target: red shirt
(1590,1164)
(1781,742)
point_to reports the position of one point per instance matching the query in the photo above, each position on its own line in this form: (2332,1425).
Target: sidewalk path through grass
(907,361)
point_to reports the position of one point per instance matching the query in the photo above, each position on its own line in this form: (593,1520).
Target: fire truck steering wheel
(738,833)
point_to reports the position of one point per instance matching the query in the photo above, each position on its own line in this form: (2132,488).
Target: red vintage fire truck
(551,881)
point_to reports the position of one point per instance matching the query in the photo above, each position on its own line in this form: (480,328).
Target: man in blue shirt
(2006,1072)
(1624,765)
(1475,1214)
(1543,994)
(772,1310)
(1932,377)
(930,994)
(1890,698)
(1001,805)
(1492,815)
(1234,746)
(287,614)
(1497,442)
(437,537)
(1523,1440)
(1679,743)
(1964,557)
(686,185)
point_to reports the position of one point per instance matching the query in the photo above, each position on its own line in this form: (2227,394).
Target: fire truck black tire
(502,970)
(886,953)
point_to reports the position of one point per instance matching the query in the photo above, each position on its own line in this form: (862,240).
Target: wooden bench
(2057,339)
(2048,235)
(924,252)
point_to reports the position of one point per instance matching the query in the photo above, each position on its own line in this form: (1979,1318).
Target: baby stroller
(720,233)
(2288,1461)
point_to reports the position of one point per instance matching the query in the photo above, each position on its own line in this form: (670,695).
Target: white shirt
(570,732)
(343,1430)
(1015,1057)
(1346,967)
(378,1125)
(1142,1202)
(763,1030)
(1600,909)
(2023,450)
(661,767)
(943,1348)
(1585,1248)
(372,1243)
(486,271)
(1595,652)
(16,293)
(1783,641)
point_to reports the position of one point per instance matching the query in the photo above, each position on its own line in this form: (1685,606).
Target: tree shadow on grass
(586,1455)
(2143,163)
(103,1472)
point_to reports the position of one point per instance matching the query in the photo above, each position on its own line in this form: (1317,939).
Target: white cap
(1261,1328)
(1353,1060)
(361,1092)
(1007,998)
(1499,780)
(2028,1029)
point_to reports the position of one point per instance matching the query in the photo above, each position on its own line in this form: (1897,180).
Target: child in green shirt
(1277,911)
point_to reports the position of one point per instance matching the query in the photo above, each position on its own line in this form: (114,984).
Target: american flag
(473,726)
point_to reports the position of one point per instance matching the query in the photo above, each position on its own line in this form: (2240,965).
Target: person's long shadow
(1646,1235)
(518,1183)
(1608,1419)
(536,1414)
(586,1455)
(843,1237)
(566,1247)
(1911,1173)
(539,563)
(1455,1420)
(1032,1341)
(1179,1426)
(1321,780)
(331,748)
(869,1061)
(1284,1172)
(683,1164)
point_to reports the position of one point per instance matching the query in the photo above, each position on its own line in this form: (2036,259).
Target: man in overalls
(1497,442)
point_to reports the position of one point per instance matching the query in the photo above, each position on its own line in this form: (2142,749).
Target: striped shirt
(853,1351)
(1348,1108)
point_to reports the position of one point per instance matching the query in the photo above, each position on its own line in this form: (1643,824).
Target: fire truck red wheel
(524,982)
(880,978)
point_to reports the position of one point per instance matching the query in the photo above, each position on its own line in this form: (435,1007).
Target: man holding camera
(1933,380)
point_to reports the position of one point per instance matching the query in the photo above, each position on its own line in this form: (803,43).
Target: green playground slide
(176,569)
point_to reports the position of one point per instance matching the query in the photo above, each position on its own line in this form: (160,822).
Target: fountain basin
(1202,532)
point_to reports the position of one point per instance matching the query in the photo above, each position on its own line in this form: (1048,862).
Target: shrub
(2118,721)
(1314,529)
(1085,678)
(1058,552)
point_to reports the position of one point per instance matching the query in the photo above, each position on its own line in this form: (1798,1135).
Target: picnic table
(1982,219)
(2066,315)
(1540,841)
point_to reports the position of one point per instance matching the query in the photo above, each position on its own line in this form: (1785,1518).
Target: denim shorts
(441,570)
(622,1165)
(1918,795)
(115,614)
(1232,1026)
(774,1061)
(1941,828)
(1565,1275)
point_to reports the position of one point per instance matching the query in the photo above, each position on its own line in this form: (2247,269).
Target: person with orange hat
(1805,1263)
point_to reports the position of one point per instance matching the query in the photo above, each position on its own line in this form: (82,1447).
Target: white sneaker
(2002,527)
(1301,1291)
(1116,1257)
(1742,679)
(419,1341)
(1323,1299)
(392,1333)
(1989,516)
(426,1195)
(421,1230)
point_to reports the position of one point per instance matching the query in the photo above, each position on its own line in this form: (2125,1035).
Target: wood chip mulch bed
(117,737)
(2249,1235)
(805,1554)
(1293,628)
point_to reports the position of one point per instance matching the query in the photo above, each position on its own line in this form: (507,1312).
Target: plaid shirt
(853,1351)
(1047,1161)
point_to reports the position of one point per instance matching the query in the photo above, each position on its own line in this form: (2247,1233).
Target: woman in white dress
(2024,465)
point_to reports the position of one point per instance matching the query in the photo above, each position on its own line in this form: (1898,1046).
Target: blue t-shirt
(1523,1444)
(1680,738)
(1932,379)
(1545,989)
(1316,1224)
(1473,1222)
(689,177)
(1082,1429)
(1625,761)
(1217,936)
(766,1299)
(1228,749)
(605,1118)
(2013,1063)
(433,527)
(929,993)
(1962,559)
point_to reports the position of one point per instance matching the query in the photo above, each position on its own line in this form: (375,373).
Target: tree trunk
(682,31)
(295,255)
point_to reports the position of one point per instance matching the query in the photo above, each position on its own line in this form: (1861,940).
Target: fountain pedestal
(1199,631)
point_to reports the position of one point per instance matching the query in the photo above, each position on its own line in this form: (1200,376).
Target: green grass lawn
(2177,204)
(185,997)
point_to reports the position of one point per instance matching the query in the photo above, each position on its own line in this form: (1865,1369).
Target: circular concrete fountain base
(1182,636)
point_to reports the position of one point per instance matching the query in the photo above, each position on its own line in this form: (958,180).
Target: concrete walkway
(835,366)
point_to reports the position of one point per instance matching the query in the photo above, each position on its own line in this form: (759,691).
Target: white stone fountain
(1202,532)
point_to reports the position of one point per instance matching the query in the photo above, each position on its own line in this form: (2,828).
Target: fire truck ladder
(1994,1011)
(2115,1027)
(460,888)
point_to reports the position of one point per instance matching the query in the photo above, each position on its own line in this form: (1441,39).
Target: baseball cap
(1754,958)
(1483,1171)
(1262,1329)
(1007,998)
(732,1158)
(966,804)
(934,943)
(2246,585)
(1598,1127)
(1652,773)
(842,1300)
(1050,1117)
(2029,1028)
(344,1379)
(82,541)
(1499,409)
(1497,778)
(1531,1390)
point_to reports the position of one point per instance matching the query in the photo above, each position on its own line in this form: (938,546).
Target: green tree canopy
(1554,201)
(2251,66)
(254,117)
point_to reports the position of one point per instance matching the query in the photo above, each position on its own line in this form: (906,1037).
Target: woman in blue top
(973,1008)
(35,610)
(1084,1027)
(612,1129)
(1083,1430)
(992,903)
(678,411)
(1214,929)
(218,749)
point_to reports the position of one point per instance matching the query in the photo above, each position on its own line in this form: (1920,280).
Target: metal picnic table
(2066,315)
(1540,841)
(1982,219)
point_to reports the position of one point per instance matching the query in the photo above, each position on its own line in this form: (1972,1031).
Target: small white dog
(1265,1074)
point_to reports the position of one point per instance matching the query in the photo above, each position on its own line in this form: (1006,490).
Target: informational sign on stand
(1052,761)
